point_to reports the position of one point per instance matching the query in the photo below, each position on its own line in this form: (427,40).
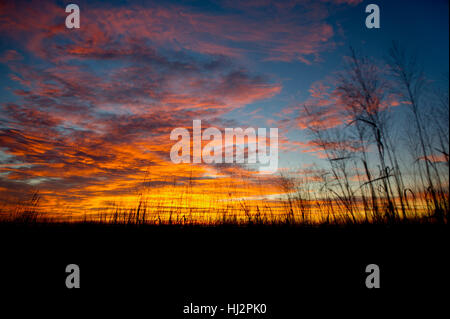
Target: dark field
(297,271)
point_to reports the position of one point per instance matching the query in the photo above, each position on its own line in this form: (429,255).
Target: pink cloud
(280,38)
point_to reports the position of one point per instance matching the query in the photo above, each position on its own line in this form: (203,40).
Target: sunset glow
(86,114)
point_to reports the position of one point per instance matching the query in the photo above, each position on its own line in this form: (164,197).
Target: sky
(86,114)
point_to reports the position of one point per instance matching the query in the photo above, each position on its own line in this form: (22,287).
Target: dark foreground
(152,272)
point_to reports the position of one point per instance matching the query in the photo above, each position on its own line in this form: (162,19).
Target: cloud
(9,56)
(275,32)
(93,107)
(93,110)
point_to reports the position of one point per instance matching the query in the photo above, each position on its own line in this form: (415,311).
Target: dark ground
(153,271)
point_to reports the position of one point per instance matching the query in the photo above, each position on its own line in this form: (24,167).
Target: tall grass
(300,207)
